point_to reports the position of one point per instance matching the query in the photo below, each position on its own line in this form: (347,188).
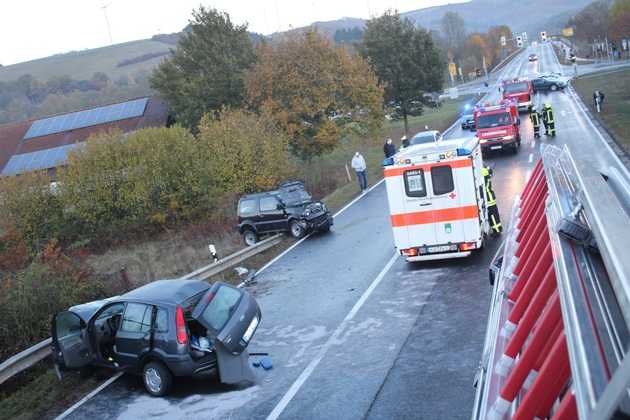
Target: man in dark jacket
(389,149)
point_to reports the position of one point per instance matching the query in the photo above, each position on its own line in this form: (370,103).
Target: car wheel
(296,228)
(157,379)
(554,88)
(514,148)
(250,237)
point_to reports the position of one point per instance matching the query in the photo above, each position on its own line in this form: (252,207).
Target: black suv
(288,209)
(164,329)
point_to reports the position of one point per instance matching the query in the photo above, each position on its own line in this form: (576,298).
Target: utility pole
(109,29)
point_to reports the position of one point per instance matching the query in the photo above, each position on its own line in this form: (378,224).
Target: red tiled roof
(11,135)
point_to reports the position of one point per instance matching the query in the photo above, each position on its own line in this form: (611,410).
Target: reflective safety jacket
(487,178)
(547,115)
(535,117)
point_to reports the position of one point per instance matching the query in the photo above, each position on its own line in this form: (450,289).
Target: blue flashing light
(388,161)
(467,106)
(463,152)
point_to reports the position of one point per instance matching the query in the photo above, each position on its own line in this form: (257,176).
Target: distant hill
(83,64)
(532,16)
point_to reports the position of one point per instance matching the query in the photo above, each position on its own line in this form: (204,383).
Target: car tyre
(554,88)
(515,148)
(296,229)
(157,379)
(250,237)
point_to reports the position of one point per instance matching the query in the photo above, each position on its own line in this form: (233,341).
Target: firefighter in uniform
(491,204)
(535,117)
(548,120)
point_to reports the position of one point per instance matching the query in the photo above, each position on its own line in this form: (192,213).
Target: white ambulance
(437,199)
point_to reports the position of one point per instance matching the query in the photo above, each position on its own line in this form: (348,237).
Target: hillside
(83,64)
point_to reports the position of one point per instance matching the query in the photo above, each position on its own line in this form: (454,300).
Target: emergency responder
(535,117)
(389,149)
(548,120)
(491,203)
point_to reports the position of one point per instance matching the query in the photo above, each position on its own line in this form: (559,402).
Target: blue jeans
(362,178)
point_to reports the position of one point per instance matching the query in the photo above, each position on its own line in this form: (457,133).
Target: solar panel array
(88,118)
(42,159)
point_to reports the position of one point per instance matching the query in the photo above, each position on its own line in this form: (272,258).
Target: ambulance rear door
(418,207)
(447,198)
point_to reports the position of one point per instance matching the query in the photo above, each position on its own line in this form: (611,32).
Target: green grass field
(83,64)
(616,108)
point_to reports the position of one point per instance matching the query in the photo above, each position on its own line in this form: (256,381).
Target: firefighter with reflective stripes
(535,118)
(548,120)
(491,203)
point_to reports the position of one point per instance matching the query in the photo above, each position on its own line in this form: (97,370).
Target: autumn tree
(493,41)
(206,70)
(620,19)
(246,152)
(303,80)
(404,58)
(591,23)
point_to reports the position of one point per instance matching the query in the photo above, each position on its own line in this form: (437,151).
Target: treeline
(603,20)
(141,58)
(469,51)
(28,97)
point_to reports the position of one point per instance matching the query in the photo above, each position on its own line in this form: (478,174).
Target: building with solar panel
(43,144)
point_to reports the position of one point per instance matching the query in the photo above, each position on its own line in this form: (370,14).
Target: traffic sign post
(503,41)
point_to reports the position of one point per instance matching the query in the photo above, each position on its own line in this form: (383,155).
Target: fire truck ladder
(557,342)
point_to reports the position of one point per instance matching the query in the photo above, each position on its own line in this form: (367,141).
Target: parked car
(549,82)
(164,329)
(533,57)
(424,137)
(289,209)
(468,122)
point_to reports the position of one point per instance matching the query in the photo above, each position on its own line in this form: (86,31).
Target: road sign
(543,36)
(503,41)
(624,44)
(568,32)
(524,36)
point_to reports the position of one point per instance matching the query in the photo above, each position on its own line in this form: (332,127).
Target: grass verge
(615,114)
(37,394)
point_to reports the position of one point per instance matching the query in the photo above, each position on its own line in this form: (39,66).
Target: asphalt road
(356,332)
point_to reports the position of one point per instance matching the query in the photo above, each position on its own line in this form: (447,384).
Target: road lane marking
(308,371)
(531,158)
(88,396)
(528,174)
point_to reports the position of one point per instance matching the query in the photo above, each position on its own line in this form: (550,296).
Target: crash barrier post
(544,355)
(35,354)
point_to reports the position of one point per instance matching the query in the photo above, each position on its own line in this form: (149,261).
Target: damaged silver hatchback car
(164,329)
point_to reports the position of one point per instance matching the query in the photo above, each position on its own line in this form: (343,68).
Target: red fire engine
(519,90)
(498,126)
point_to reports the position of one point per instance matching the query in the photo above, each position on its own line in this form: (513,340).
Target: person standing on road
(389,148)
(359,166)
(534,116)
(491,202)
(548,120)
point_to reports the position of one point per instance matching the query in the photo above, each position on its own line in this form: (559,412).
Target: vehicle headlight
(307,213)
(508,137)
(250,330)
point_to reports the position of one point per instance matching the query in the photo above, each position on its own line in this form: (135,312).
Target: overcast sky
(38,28)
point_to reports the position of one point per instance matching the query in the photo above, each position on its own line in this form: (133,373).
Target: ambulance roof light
(388,161)
(461,151)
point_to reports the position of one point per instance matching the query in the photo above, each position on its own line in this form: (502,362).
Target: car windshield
(422,139)
(493,120)
(515,87)
(294,196)
(468,116)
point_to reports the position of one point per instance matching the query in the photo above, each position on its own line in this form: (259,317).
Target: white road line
(306,373)
(88,396)
(531,158)
(528,174)
(532,144)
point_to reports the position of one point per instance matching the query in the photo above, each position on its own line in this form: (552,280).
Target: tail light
(180,326)
(411,252)
(467,246)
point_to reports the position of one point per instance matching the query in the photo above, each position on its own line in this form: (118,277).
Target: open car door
(231,316)
(70,343)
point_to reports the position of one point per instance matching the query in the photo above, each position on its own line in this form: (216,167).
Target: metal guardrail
(35,354)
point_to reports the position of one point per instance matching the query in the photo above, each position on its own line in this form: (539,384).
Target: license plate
(495,147)
(441,248)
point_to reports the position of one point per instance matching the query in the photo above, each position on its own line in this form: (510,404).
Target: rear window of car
(161,320)
(248,207)
(137,318)
(221,307)
(414,183)
(442,179)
